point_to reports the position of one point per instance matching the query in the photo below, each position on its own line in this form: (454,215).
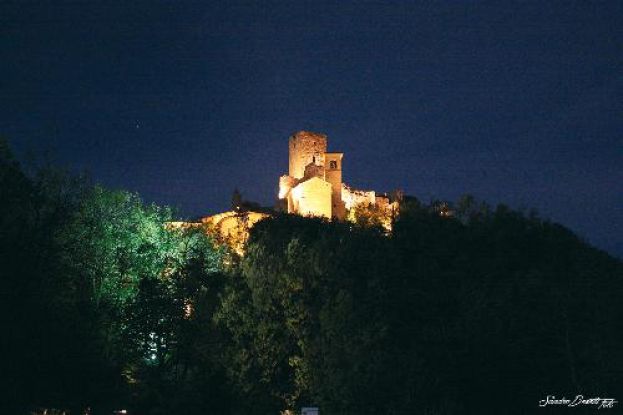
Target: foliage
(108,306)
(90,277)
(310,298)
(369,215)
(39,327)
(114,241)
(142,277)
(444,311)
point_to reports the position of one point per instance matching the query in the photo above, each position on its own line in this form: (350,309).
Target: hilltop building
(314,185)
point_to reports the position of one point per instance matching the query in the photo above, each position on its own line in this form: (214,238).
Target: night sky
(184,101)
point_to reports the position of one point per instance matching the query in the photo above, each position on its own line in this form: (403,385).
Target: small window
(333,164)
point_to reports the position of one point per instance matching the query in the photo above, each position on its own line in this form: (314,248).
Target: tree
(140,278)
(370,215)
(306,310)
(34,303)
(236,200)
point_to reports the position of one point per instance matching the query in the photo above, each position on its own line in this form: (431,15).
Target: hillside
(486,308)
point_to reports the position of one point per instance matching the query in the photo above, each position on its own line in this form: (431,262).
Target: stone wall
(286,183)
(305,148)
(352,197)
(233,227)
(312,198)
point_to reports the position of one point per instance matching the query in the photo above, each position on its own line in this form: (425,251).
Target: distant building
(314,186)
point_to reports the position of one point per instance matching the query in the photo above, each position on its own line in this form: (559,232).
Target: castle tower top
(305,148)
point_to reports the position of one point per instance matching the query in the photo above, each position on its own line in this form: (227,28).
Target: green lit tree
(142,277)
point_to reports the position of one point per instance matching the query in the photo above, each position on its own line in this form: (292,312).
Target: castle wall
(305,148)
(314,186)
(286,183)
(312,198)
(233,227)
(352,197)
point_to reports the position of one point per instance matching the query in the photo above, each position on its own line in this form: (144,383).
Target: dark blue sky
(183,101)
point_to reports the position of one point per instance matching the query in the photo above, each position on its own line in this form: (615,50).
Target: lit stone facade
(314,185)
(312,198)
(233,227)
(352,197)
(306,149)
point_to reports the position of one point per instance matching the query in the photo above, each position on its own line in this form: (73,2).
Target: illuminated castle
(314,187)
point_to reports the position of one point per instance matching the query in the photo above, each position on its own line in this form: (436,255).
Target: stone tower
(305,148)
(333,175)
(314,183)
